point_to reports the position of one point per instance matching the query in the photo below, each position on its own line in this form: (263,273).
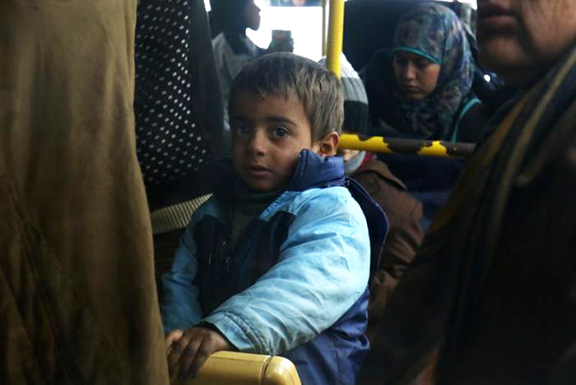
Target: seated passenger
(422,89)
(232,48)
(277,262)
(404,212)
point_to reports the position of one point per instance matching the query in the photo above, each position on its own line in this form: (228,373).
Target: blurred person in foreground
(490,298)
(77,289)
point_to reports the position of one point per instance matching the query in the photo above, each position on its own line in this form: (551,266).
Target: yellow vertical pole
(335,35)
(324,9)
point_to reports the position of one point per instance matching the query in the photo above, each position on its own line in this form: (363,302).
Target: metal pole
(335,35)
(407,146)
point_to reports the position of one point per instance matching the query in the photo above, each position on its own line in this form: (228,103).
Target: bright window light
(305,23)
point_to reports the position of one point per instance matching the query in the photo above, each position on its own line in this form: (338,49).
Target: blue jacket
(296,284)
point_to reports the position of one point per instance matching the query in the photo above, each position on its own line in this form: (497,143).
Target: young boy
(278,260)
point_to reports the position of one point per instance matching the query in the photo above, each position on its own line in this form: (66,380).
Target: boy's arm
(180,307)
(322,271)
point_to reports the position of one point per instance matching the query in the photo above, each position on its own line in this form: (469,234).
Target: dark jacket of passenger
(404,214)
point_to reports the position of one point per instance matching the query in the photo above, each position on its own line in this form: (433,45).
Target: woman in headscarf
(490,297)
(422,89)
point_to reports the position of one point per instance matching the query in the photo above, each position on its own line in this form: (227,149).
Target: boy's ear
(328,145)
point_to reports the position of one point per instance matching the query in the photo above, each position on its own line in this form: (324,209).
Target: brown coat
(405,234)
(78,302)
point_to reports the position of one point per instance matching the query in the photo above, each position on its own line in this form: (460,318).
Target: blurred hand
(190,348)
(281,45)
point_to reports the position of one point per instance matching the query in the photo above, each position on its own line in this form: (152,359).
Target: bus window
(304,22)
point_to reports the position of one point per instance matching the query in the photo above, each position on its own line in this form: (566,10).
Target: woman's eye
(280,132)
(421,64)
(241,130)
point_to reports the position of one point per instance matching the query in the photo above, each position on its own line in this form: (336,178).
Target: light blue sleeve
(322,271)
(180,307)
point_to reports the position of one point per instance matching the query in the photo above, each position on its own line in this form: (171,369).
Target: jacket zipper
(228,259)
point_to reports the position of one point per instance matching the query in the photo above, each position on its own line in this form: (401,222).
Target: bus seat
(233,368)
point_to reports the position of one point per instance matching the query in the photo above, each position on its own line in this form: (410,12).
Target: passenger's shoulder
(472,119)
(376,171)
(474,108)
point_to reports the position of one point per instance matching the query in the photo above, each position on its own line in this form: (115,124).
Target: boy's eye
(280,132)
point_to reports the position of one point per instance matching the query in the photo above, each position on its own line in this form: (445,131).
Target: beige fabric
(177,216)
(77,293)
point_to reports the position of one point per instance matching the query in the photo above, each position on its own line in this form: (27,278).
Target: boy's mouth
(257,170)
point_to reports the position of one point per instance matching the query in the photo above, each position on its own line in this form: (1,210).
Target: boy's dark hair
(286,75)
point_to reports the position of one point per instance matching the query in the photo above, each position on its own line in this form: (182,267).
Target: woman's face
(522,39)
(416,76)
(252,15)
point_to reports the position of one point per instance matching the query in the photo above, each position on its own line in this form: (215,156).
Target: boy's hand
(191,347)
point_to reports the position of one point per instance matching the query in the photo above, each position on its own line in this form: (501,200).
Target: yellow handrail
(233,368)
(426,148)
(335,35)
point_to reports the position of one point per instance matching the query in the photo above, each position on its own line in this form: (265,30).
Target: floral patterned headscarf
(434,32)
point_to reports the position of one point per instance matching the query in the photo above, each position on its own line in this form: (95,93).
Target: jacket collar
(313,170)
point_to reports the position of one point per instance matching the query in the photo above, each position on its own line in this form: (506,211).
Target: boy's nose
(257,144)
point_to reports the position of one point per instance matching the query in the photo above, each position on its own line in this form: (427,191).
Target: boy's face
(267,136)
